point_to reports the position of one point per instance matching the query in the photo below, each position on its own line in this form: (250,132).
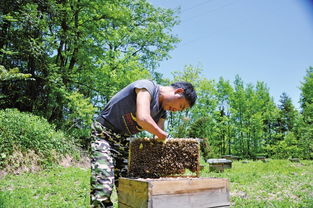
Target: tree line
(63,60)
(243,120)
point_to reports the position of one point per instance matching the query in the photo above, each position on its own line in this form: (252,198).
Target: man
(142,105)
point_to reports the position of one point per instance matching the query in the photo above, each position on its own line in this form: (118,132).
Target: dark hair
(189,91)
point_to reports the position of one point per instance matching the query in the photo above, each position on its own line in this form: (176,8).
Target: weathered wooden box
(219,164)
(173,193)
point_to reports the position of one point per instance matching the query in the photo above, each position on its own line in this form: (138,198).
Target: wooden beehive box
(219,164)
(149,158)
(173,193)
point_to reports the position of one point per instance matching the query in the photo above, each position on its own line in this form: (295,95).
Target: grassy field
(277,183)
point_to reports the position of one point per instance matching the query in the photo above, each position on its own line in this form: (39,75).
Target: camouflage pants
(109,152)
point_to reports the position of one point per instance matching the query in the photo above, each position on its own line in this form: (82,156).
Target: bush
(287,148)
(25,132)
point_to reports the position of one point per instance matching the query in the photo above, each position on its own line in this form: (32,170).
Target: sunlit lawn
(277,183)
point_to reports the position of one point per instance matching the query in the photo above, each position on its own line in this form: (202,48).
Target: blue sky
(260,40)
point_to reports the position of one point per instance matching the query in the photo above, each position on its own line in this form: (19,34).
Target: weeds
(24,134)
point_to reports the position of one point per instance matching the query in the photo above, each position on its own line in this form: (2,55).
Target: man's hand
(163,140)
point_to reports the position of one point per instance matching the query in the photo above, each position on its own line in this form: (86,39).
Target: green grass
(59,187)
(278,183)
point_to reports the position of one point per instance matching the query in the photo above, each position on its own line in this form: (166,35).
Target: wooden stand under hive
(149,158)
(158,180)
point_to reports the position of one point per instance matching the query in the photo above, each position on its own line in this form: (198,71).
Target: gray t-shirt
(120,112)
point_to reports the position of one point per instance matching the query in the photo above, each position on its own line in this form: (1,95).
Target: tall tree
(238,102)
(251,110)
(223,118)
(287,114)
(306,99)
(305,133)
(77,51)
(267,111)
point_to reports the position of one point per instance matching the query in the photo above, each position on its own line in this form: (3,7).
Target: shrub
(26,132)
(287,148)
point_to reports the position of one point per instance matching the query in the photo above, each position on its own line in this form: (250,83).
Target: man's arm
(143,116)
(161,123)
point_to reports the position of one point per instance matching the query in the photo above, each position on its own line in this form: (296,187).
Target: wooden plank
(121,205)
(133,200)
(173,192)
(133,193)
(204,199)
(189,185)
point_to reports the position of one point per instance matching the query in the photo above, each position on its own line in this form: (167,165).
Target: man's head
(188,91)
(179,96)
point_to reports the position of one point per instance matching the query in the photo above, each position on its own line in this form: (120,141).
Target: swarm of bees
(150,158)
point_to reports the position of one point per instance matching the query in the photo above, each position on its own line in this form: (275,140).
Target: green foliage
(80,114)
(286,143)
(12,75)
(249,106)
(307,95)
(287,148)
(177,128)
(63,60)
(7,79)
(304,134)
(79,53)
(304,125)
(287,114)
(242,119)
(197,130)
(233,119)
(25,132)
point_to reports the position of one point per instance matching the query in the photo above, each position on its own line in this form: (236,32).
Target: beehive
(219,164)
(173,192)
(150,158)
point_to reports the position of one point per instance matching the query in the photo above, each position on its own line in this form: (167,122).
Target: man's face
(175,102)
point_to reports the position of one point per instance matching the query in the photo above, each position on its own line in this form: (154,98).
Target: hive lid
(214,161)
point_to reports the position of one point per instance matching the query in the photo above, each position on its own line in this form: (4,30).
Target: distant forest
(63,60)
